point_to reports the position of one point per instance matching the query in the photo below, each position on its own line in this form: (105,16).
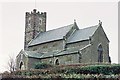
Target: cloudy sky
(12,22)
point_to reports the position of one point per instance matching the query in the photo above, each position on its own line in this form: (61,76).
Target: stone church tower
(35,23)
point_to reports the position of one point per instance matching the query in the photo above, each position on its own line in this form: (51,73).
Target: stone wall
(32,62)
(86,56)
(49,47)
(65,59)
(48,60)
(77,45)
(68,59)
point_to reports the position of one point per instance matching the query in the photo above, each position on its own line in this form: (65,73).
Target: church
(62,46)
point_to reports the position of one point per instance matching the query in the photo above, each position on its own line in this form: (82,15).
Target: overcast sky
(12,22)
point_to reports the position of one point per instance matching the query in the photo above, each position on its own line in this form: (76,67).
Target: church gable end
(21,60)
(72,30)
(98,38)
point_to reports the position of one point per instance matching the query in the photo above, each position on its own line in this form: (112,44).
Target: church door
(100,53)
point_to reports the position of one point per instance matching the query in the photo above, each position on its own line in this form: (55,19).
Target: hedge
(72,71)
(95,69)
(41,65)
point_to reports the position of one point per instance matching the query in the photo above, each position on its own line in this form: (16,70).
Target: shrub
(115,69)
(101,69)
(41,65)
(44,70)
(93,69)
(96,69)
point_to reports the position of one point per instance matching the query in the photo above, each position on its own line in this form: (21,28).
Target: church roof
(33,54)
(51,35)
(59,33)
(82,34)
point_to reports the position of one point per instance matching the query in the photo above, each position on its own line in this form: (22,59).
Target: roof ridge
(90,31)
(90,27)
(59,27)
(49,31)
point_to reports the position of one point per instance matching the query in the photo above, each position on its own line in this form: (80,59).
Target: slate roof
(33,54)
(49,54)
(51,35)
(82,34)
(59,33)
(66,53)
(46,55)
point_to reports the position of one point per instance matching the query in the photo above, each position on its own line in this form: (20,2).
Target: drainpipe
(90,42)
(103,57)
(80,56)
(64,47)
(53,59)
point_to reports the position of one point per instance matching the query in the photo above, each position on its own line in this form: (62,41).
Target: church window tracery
(100,53)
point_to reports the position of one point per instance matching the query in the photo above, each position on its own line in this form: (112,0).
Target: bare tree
(11,64)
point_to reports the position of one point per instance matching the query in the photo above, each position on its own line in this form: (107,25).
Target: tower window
(40,21)
(29,20)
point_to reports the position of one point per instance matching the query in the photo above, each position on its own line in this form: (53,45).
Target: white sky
(12,21)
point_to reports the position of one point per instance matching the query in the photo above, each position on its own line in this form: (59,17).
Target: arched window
(21,66)
(100,53)
(57,62)
(40,21)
